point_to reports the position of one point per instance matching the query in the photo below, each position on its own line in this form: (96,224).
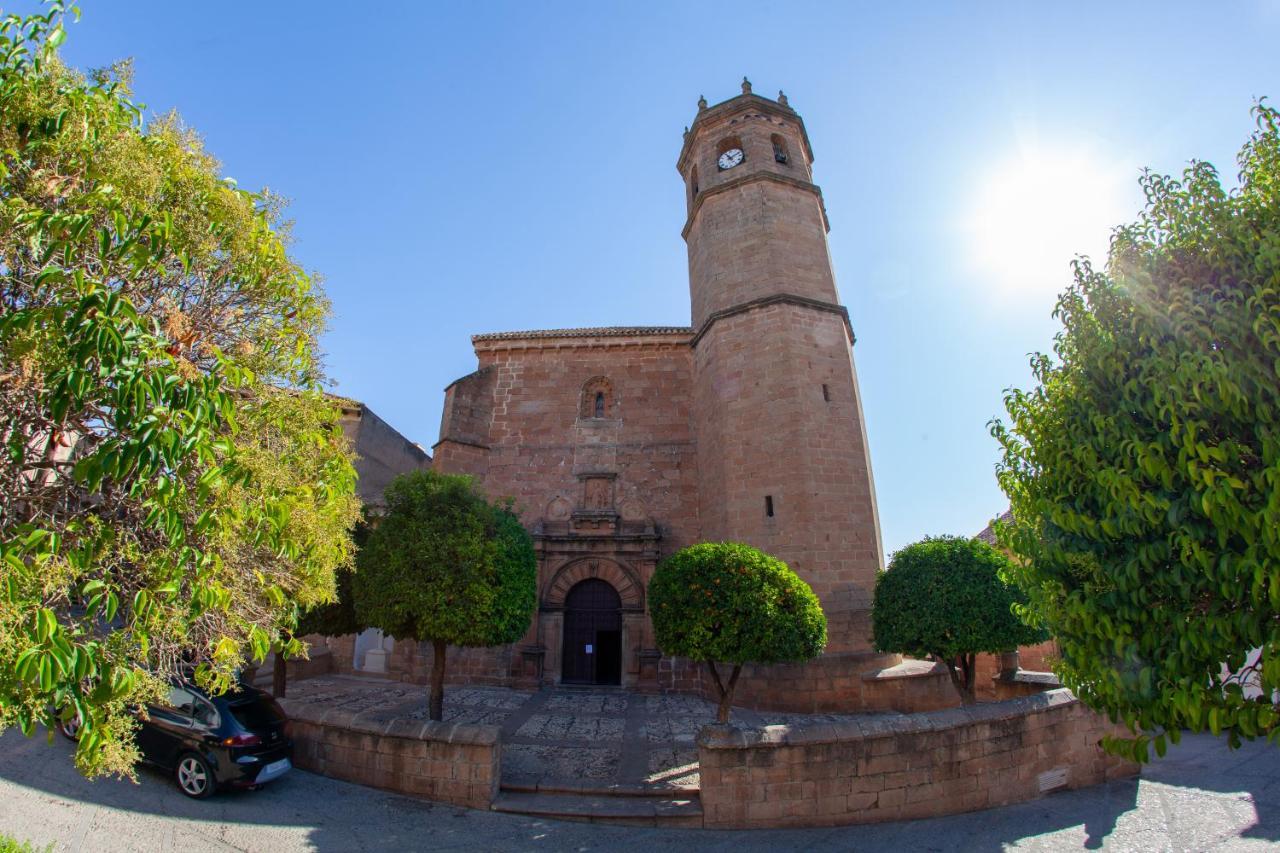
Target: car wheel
(70,729)
(195,777)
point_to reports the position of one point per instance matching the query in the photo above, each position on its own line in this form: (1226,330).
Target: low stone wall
(451,763)
(1037,658)
(887,767)
(846,683)
(412,662)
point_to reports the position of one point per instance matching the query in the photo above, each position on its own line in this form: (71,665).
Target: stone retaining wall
(887,767)
(456,764)
(846,683)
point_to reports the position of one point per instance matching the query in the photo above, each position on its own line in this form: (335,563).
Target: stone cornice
(777,299)
(711,192)
(591,338)
(585,332)
(461,441)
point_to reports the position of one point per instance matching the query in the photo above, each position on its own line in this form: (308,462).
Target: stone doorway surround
(596,542)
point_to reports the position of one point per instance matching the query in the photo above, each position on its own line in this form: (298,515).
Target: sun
(1038,208)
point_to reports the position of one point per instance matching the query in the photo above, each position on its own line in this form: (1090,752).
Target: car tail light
(243,739)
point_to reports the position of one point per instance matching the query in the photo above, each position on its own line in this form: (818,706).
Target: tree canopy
(444,565)
(731,603)
(1143,468)
(173,481)
(943,597)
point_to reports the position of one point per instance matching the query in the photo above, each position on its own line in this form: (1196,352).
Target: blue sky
(464,167)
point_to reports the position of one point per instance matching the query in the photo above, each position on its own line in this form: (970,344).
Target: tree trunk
(435,708)
(725,693)
(279,675)
(961,669)
(970,662)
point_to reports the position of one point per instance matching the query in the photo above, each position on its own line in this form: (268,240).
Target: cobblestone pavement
(570,737)
(1201,797)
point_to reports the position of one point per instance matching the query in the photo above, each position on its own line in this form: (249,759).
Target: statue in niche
(598,494)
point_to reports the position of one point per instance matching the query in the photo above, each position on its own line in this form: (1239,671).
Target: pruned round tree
(1142,467)
(443,565)
(733,604)
(943,598)
(174,483)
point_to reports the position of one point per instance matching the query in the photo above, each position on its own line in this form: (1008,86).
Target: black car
(234,740)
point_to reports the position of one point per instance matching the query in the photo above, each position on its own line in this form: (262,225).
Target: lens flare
(1038,209)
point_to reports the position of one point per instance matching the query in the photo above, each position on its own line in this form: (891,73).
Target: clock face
(730,158)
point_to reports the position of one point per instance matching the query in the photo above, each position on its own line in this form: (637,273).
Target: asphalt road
(1200,797)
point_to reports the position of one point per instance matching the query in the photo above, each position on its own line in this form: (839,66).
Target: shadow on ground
(1199,797)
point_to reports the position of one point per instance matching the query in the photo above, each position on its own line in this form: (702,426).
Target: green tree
(173,483)
(1144,467)
(733,604)
(332,619)
(943,598)
(444,566)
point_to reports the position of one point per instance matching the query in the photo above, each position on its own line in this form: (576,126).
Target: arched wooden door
(592,634)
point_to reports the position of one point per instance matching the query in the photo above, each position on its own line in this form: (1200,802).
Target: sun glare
(1038,209)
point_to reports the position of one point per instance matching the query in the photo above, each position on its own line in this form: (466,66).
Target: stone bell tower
(783,463)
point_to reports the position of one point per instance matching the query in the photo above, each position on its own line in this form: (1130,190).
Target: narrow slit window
(826,393)
(768,505)
(600,404)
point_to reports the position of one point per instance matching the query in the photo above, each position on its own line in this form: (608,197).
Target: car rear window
(255,713)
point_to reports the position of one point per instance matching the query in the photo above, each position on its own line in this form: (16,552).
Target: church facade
(621,444)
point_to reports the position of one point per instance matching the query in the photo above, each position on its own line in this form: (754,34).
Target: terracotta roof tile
(988,533)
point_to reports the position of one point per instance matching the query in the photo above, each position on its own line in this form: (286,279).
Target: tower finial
(782,99)
(702,103)
(746,86)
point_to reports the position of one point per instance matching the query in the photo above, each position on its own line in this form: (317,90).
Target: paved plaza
(564,739)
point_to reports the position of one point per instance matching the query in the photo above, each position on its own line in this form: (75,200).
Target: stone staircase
(630,805)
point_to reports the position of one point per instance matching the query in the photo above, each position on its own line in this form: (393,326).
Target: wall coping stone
(1024,676)
(881,725)
(908,668)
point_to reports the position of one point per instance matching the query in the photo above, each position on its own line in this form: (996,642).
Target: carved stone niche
(596,515)
(597,493)
(559,509)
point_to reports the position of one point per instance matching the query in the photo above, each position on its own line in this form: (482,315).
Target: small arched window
(597,398)
(780,154)
(693,182)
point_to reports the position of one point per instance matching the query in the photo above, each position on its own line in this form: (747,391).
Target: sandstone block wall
(440,761)
(412,662)
(1037,658)
(779,425)
(831,684)
(540,444)
(382,453)
(901,767)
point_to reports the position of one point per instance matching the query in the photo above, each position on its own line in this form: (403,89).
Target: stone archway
(558,627)
(628,587)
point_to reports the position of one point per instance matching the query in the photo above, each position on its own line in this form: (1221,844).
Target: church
(623,444)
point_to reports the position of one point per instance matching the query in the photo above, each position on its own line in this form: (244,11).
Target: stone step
(630,810)
(596,789)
